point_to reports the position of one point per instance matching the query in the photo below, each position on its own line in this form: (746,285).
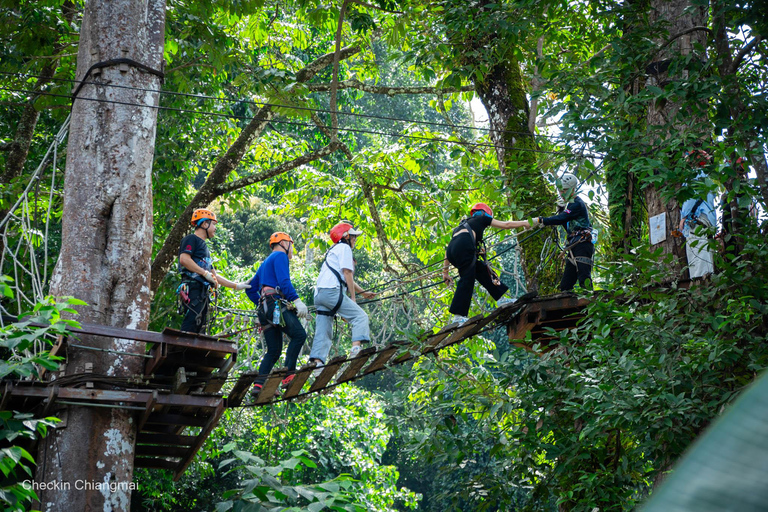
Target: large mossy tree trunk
(503,93)
(106,245)
(681,29)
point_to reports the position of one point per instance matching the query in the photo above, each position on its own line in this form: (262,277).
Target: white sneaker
(355,350)
(459,319)
(318,368)
(505,300)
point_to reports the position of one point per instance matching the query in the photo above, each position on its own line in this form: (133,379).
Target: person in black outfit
(462,253)
(197,272)
(579,246)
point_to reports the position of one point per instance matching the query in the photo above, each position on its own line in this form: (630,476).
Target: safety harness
(342,285)
(480,251)
(281,304)
(576,237)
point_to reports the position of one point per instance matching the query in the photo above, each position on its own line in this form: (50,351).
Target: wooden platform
(177,399)
(559,312)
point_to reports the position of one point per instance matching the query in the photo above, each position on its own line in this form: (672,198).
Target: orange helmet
(341,230)
(279,236)
(481,207)
(202,214)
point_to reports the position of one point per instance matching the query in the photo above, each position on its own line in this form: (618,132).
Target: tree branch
(210,190)
(743,53)
(284,167)
(353,83)
(367,187)
(681,34)
(376,7)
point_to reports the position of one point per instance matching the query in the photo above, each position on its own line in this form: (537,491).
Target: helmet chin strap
(207,234)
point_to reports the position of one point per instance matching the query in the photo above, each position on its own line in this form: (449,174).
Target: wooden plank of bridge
(215,383)
(241,387)
(302,376)
(329,370)
(465,331)
(270,388)
(355,364)
(383,356)
(430,341)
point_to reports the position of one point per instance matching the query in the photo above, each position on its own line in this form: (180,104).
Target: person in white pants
(336,274)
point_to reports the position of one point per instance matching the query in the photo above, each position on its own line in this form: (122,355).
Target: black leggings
(273,335)
(197,308)
(580,271)
(461,254)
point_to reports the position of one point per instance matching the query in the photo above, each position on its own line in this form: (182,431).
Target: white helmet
(568,181)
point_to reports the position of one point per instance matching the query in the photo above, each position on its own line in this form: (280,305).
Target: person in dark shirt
(462,253)
(279,309)
(579,245)
(197,272)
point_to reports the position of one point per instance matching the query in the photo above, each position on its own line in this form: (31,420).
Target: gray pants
(325,300)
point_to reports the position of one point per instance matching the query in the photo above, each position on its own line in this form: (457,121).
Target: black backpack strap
(335,308)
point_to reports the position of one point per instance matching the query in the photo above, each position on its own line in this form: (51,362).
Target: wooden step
(355,364)
(301,377)
(241,388)
(383,356)
(329,370)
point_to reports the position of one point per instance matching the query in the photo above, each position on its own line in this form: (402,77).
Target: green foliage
(264,491)
(25,352)
(340,436)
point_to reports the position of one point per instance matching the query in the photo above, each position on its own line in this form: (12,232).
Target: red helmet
(341,230)
(481,207)
(698,157)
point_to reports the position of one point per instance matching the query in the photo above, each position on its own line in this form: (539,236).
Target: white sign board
(658,228)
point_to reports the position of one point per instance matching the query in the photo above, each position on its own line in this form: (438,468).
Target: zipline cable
(293,123)
(291,107)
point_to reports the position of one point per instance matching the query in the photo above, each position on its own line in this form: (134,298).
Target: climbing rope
(22,240)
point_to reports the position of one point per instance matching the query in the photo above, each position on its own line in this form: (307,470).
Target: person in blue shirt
(279,309)
(696,216)
(579,244)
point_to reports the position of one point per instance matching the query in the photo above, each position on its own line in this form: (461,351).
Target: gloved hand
(560,202)
(209,277)
(534,222)
(242,286)
(301,308)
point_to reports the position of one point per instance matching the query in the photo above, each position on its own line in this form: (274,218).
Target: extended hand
(210,277)
(301,309)
(242,286)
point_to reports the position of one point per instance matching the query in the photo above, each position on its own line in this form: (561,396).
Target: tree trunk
(503,94)
(106,245)
(679,17)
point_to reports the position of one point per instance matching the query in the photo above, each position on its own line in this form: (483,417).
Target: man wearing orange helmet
(462,252)
(197,272)
(272,292)
(337,273)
